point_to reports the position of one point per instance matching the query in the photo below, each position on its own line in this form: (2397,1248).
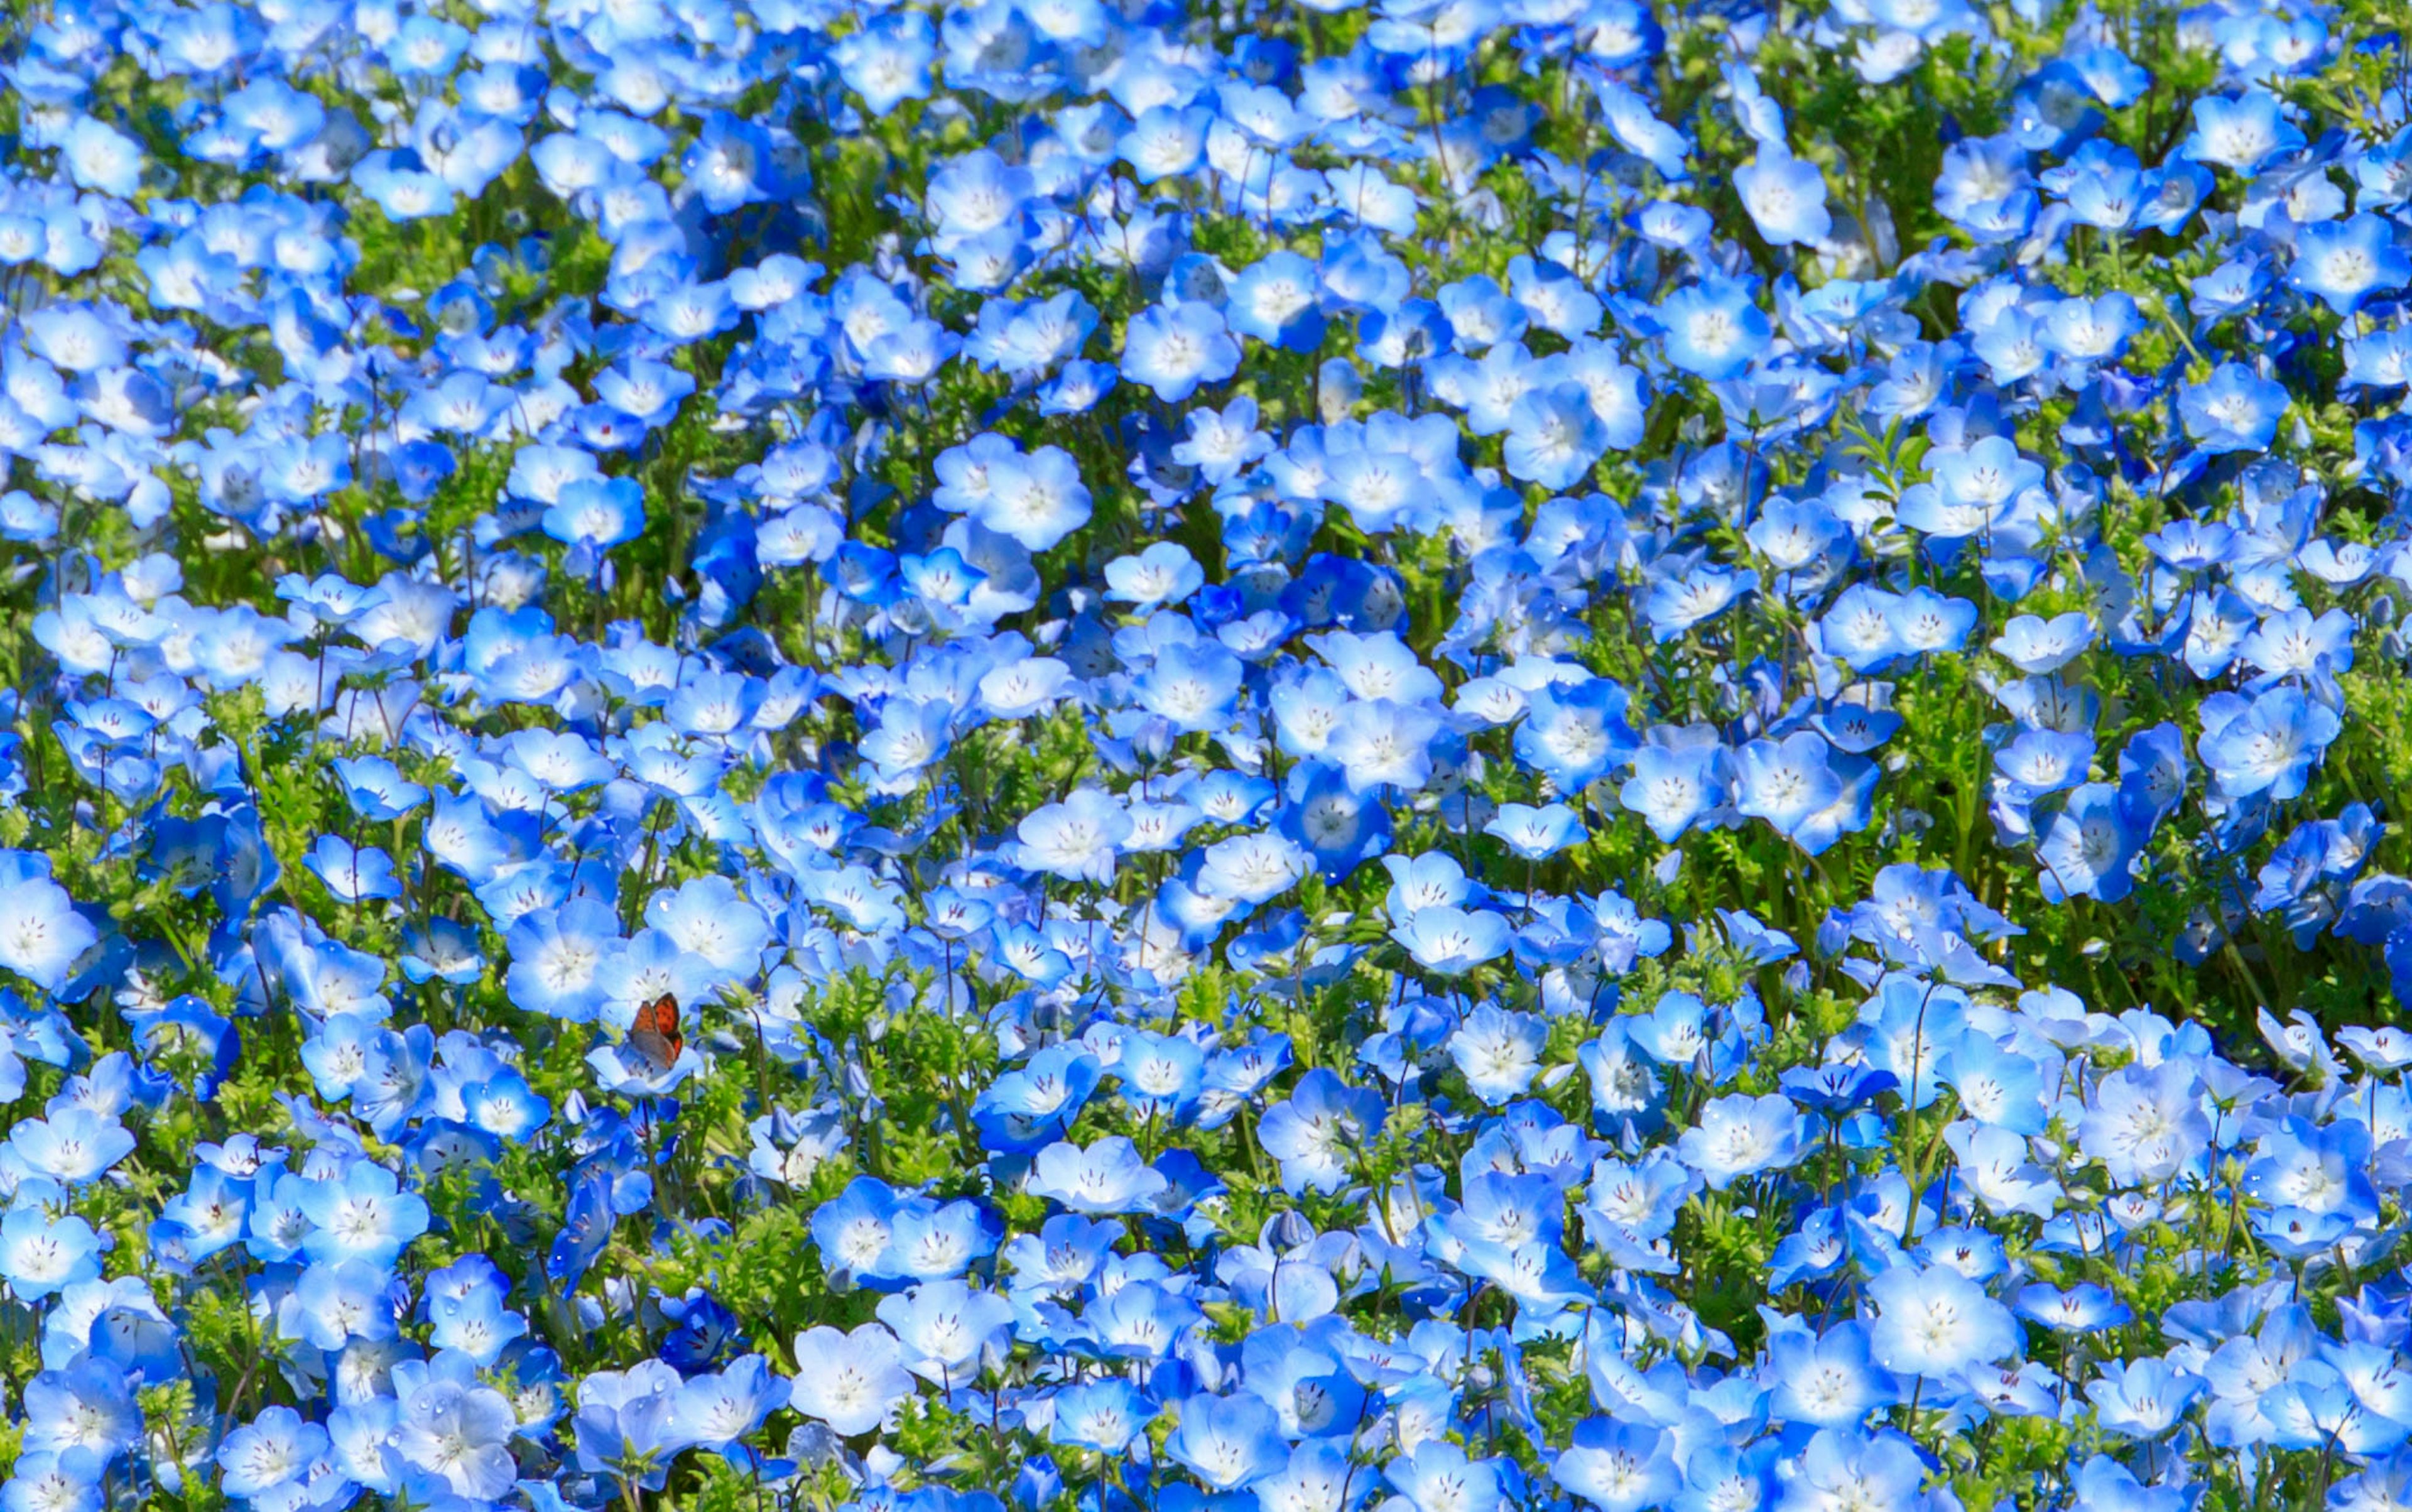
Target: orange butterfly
(654,1036)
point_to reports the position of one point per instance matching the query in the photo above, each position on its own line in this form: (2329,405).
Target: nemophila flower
(1535,834)
(2087,848)
(1431,880)
(99,156)
(1139,1322)
(1173,349)
(39,1255)
(1679,603)
(1785,196)
(1934,1322)
(1102,1414)
(888,62)
(1107,1177)
(624,1425)
(1076,838)
(1714,329)
(1379,744)
(1841,1466)
(1743,1136)
(1453,941)
(1317,1132)
(1161,1075)
(1062,1256)
(557,956)
(1440,1476)
(401,185)
(51,1480)
(1786,783)
(1674,787)
(353,873)
(73,1145)
(1165,140)
(1252,868)
(850,1381)
(2294,644)
(2146,1125)
(361,1215)
(2084,1308)
(268,1453)
(2234,409)
(596,513)
(917,737)
(1826,1379)
(1498,1052)
(2267,746)
(1037,500)
(1193,687)
(942,1329)
(1619,1466)
(1275,301)
(718,1410)
(1574,734)
(77,337)
(377,789)
(1229,1442)
(2143,1398)
(2083,331)
(2342,263)
(2036,645)
(2383,1048)
(1164,573)
(2240,133)
(1554,436)
(42,934)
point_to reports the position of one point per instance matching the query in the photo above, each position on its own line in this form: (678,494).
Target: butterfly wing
(656,1037)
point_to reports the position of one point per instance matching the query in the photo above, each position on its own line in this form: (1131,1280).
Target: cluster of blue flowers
(1064,755)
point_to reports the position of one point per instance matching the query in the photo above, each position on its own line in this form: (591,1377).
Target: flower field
(1060,756)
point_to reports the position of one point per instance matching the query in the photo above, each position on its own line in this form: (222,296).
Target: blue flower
(888,62)
(1104,1416)
(1229,1442)
(361,1215)
(850,1381)
(1786,783)
(2266,747)
(42,934)
(2142,1399)
(1498,1052)
(1173,349)
(1619,1466)
(99,156)
(2235,409)
(1933,1322)
(2240,133)
(1107,1177)
(268,1453)
(1743,1136)
(943,1327)
(1714,328)
(2088,847)
(354,874)
(40,1256)
(596,513)
(1439,1476)
(1453,941)
(1785,196)
(1554,436)
(1317,1132)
